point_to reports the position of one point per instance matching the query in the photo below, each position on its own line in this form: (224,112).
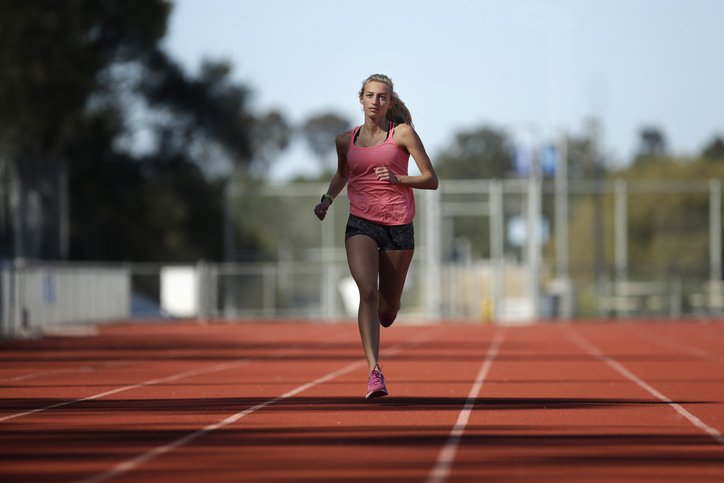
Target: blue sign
(522,160)
(549,160)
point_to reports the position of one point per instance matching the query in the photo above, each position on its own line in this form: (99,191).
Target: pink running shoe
(376,384)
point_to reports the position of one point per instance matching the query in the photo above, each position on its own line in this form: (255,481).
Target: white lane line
(174,377)
(170,355)
(55,372)
(447,455)
(117,363)
(133,463)
(670,343)
(142,458)
(152,382)
(584,344)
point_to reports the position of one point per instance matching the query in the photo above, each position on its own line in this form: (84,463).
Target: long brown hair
(398,113)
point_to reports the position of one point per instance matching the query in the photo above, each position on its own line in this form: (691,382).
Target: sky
(533,68)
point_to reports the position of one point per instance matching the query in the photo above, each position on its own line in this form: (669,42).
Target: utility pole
(561,227)
(596,163)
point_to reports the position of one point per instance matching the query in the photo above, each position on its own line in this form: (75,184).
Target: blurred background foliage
(110,150)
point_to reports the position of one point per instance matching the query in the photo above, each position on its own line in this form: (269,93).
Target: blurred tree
(198,131)
(94,111)
(580,163)
(585,160)
(480,153)
(320,132)
(714,150)
(54,55)
(671,230)
(271,134)
(198,114)
(652,144)
(140,209)
(668,231)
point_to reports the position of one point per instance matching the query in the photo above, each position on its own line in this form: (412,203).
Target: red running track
(186,402)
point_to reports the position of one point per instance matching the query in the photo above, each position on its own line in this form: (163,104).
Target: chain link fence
(510,251)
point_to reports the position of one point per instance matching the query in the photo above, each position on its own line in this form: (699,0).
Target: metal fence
(44,296)
(501,251)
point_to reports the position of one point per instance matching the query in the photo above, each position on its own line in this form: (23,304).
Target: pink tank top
(374,200)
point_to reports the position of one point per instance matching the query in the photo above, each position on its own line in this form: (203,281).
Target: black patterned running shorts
(398,237)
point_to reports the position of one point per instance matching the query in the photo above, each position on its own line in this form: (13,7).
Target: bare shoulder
(405,134)
(403,128)
(342,140)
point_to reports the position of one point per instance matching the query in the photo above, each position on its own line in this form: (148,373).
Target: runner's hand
(321,209)
(384,174)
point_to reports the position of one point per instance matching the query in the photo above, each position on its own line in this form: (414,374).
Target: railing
(43,295)
(469,264)
(38,297)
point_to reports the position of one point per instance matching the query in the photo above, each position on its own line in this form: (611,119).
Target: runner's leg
(393,267)
(363,259)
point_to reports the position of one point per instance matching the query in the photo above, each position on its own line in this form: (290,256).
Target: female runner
(372,161)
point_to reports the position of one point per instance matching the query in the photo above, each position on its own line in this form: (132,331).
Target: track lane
(130,414)
(547,411)
(552,412)
(687,378)
(446,458)
(682,341)
(330,432)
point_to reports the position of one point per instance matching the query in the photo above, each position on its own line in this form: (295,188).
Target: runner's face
(376,99)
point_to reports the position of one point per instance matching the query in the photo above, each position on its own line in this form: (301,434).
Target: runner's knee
(388,315)
(368,295)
